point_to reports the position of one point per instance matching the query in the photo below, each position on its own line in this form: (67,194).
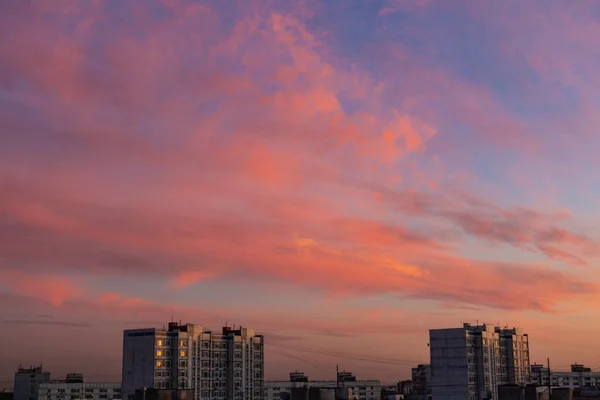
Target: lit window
(158,353)
(159,363)
(182,353)
(182,343)
(159,342)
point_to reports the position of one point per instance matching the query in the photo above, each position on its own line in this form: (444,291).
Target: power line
(349,356)
(300,359)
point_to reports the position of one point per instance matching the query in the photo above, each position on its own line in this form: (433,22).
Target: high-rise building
(469,363)
(27,382)
(514,354)
(218,366)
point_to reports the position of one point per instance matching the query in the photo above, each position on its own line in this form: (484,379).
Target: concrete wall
(449,369)
(138,362)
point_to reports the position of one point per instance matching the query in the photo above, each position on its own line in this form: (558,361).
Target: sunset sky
(339,175)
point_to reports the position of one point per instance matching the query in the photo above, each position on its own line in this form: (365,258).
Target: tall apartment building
(218,366)
(469,363)
(27,382)
(514,352)
(358,389)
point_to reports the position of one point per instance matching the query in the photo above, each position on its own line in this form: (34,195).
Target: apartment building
(226,365)
(358,389)
(421,379)
(27,382)
(578,377)
(514,356)
(469,363)
(69,390)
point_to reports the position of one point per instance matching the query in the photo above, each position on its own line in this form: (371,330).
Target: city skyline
(340,176)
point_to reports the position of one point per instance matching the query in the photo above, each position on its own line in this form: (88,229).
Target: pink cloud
(246,158)
(188,278)
(52,289)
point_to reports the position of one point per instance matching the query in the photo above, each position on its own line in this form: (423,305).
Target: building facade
(27,382)
(359,389)
(469,363)
(514,356)
(63,390)
(421,379)
(226,365)
(579,377)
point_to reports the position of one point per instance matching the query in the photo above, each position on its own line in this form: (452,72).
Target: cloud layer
(372,153)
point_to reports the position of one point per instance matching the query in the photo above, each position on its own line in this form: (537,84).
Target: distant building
(298,377)
(27,382)
(360,390)
(163,394)
(579,377)
(469,363)
(313,393)
(421,379)
(79,390)
(6,395)
(404,387)
(215,365)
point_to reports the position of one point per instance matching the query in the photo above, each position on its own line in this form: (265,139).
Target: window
(103,390)
(159,342)
(168,363)
(159,364)
(182,353)
(182,343)
(159,353)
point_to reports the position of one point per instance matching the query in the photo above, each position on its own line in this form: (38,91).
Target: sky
(341,176)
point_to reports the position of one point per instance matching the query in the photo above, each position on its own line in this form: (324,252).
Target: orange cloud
(52,289)
(188,278)
(252,133)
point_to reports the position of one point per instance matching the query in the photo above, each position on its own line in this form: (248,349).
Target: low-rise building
(578,377)
(163,394)
(360,390)
(74,388)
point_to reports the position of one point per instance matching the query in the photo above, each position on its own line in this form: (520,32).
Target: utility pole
(549,381)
